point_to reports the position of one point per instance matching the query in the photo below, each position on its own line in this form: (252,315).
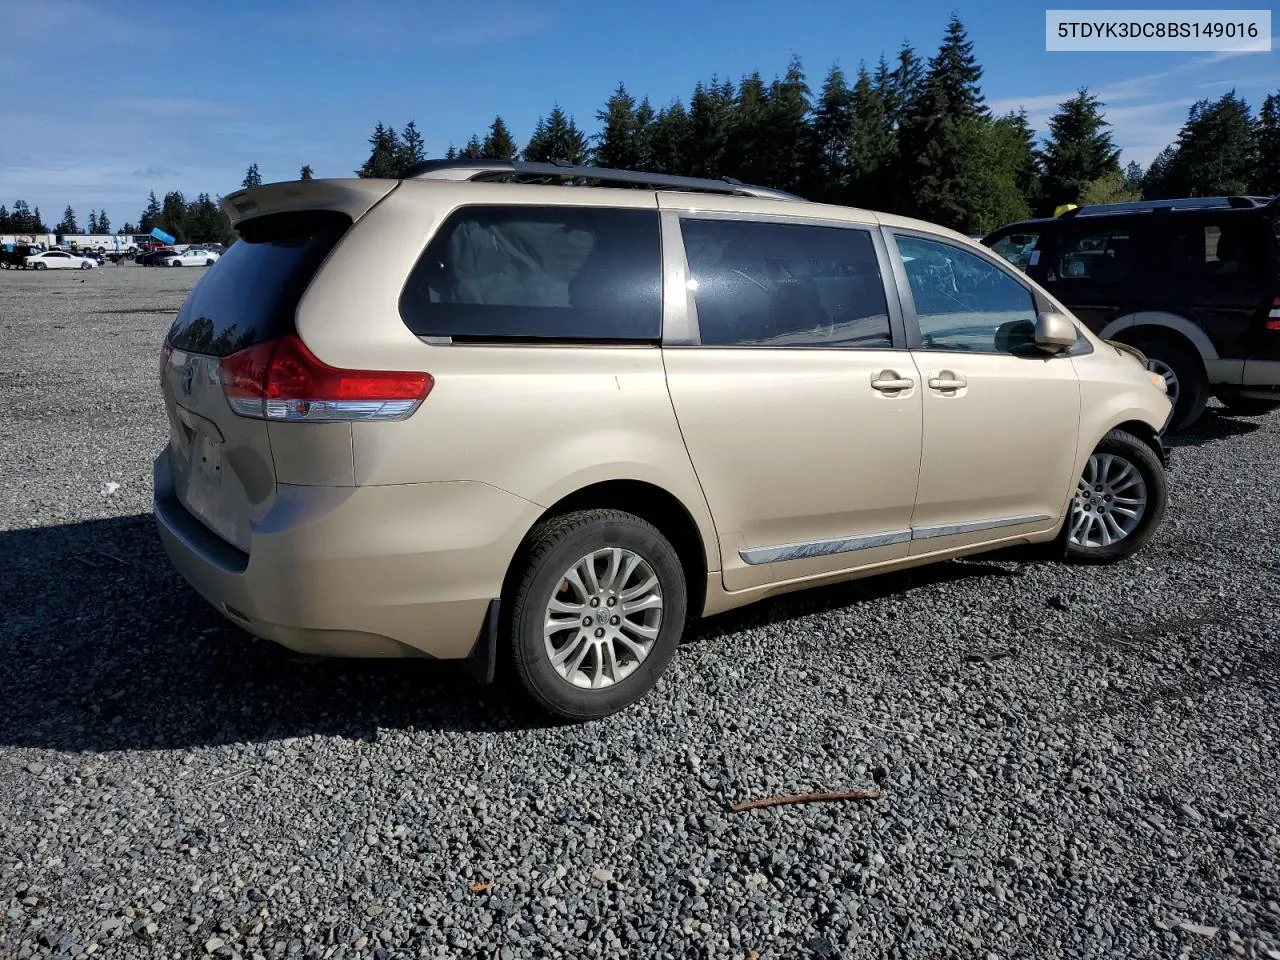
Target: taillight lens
(283,380)
(1273,318)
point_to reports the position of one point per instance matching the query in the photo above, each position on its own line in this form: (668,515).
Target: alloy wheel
(1110,501)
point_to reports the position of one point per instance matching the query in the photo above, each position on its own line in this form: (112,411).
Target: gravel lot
(1076,762)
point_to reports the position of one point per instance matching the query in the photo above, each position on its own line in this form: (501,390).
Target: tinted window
(785,285)
(1019,249)
(1219,249)
(534,273)
(965,303)
(251,294)
(1103,255)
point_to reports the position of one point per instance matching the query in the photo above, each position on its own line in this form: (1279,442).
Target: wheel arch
(1132,325)
(651,503)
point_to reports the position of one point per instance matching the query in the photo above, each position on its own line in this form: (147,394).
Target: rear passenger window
(539,273)
(765,284)
(1223,249)
(1103,256)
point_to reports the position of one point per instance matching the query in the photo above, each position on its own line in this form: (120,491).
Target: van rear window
(251,294)
(531,273)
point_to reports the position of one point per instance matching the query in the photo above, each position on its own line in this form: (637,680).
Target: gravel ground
(1076,762)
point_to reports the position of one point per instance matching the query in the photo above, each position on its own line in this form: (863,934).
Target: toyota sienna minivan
(553,414)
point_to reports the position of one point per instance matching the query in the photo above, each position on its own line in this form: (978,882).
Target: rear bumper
(396,571)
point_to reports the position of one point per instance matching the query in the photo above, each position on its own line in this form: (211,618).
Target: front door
(799,407)
(1000,416)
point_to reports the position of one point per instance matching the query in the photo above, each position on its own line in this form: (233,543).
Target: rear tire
(580,567)
(1247,406)
(1173,358)
(1119,502)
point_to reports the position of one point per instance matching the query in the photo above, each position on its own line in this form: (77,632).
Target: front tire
(176,263)
(1119,502)
(1185,379)
(42,266)
(595,612)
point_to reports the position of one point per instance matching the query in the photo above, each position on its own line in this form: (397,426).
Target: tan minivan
(468,416)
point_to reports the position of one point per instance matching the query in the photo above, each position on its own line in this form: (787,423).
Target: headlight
(1157,380)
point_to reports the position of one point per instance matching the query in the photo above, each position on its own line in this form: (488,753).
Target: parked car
(154,257)
(470,419)
(14,256)
(60,260)
(1192,284)
(192,257)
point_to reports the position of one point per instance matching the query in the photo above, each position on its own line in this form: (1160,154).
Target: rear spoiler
(354,197)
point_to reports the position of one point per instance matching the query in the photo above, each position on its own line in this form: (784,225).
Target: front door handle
(947,382)
(888,381)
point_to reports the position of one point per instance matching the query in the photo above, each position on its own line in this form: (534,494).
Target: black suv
(1193,284)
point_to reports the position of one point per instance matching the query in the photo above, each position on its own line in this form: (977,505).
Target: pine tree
(711,116)
(6,223)
(1157,182)
(474,149)
(384,154)
(451,153)
(21,219)
(1006,171)
(305,173)
(832,132)
(907,84)
(1267,176)
(955,69)
(1133,175)
(557,137)
(1078,150)
(617,143)
(92,226)
(413,149)
(68,224)
(669,140)
(788,115)
(173,215)
(871,144)
(498,143)
(745,154)
(104,225)
(252,178)
(1216,152)
(128,229)
(150,215)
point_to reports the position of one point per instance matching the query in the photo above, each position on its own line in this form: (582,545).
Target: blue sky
(103,101)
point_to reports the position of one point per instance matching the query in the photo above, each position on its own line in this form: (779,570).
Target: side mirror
(1054,332)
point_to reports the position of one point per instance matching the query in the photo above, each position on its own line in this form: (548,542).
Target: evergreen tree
(305,173)
(787,115)
(37,222)
(1078,150)
(68,224)
(955,69)
(1157,182)
(618,143)
(557,137)
(384,154)
(745,154)
(92,226)
(670,140)
(173,215)
(104,225)
(474,150)
(832,133)
(252,178)
(21,219)
(150,215)
(413,149)
(6,225)
(1216,152)
(128,229)
(1111,187)
(1133,175)
(1267,176)
(1023,156)
(498,143)
(870,150)
(1006,173)
(906,85)
(711,117)
(451,153)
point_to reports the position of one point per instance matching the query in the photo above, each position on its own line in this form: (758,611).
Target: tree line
(909,135)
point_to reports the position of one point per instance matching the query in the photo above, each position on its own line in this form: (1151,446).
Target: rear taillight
(283,380)
(1273,318)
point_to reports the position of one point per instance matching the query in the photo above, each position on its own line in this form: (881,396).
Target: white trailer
(103,243)
(45,240)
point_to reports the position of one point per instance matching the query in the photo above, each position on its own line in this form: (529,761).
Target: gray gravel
(1076,762)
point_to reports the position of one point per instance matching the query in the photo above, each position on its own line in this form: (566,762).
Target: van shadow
(103,647)
(1214,424)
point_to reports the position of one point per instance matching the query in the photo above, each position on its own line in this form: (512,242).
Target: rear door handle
(947,381)
(888,381)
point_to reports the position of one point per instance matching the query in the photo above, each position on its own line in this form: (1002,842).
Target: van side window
(539,273)
(1225,248)
(768,284)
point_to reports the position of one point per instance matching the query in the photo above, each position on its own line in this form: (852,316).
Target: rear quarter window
(531,273)
(251,294)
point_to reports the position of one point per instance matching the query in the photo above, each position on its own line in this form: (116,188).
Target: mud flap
(483,661)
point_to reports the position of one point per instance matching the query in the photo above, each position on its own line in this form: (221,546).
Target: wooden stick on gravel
(864,794)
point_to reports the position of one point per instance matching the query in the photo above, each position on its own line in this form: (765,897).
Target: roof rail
(483,170)
(1152,206)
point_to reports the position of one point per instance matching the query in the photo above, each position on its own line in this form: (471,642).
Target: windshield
(1017,248)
